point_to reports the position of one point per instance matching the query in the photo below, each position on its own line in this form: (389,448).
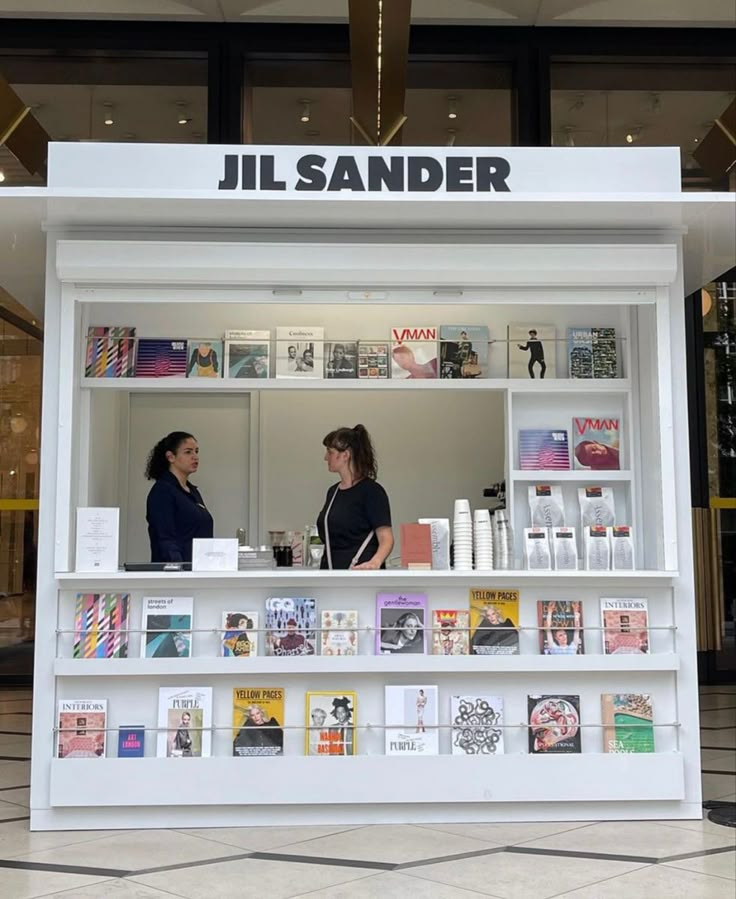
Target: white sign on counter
(98,530)
(215,554)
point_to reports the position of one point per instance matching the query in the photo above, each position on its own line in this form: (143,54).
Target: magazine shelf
(584,477)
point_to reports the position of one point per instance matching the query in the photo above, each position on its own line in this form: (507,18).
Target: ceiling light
(306,111)
(2,176)
(629,138)
(183,120)
(452,107)
(108,120)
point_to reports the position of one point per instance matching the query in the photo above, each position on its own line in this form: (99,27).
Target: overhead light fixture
(183,118)
(452,107)
(451,135)
(108,120)
(2,176)
(633,135)
(306,111)
(568,131)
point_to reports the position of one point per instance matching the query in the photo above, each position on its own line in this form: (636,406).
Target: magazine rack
(500,260)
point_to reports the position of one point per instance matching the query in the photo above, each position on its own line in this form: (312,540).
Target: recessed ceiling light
(629,138)
(306,111)
(108,120)
(183,120)
(2,176)
(452,107)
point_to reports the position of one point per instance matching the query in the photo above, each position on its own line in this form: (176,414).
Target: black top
(175,518)
(536,348)
(356,512)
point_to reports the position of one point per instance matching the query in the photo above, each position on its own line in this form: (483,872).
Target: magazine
(299,352)
(205,358)
(477,725)
(81,728)
(580,352)
(100,626)
(627,722)
(464,351)
(542,450)
(258,719)
(400,623)
(546,506)
(247,354)
(167,627)
(131,742)
(537,555)
(341,360)
(184,720)
(161,358)
(290,626)
(622,548)
(625,623)
(605,362)
(596,506)
(414,352)
(532,350)
(560,625)
(411,720)
(330,723)
(110,352)
(564,549)
(239,635)
(554,723)
(373,360)
(596,444)
(450,635)
(339,633)
(597,548)
(494,619)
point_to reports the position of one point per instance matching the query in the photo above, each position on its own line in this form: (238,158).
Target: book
(239,634)
(290,626)
(400,623)
(161,358)
(184,721)
(580,352)
(543,450)
(81,727)
(597,506)
(110,352)
(339,633)
(416,546)
(341,360)
(131,741)
(205,358)
(450,632)
(537,554)
(258,719)
(596,444)
(560,625)
(627,720)
(411,720)
(464,351)
(477,725)
(621,541)
(330,723)
(494,619)
(564,549)
(247,354)
(596,548)
(414,352)
(532,350)
(167,627)
(100,626)
(373,360)
(299,352)
(554,723)
(625,623)
(546,506)
(605,361)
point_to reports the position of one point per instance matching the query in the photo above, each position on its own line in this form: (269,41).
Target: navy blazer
(175,518)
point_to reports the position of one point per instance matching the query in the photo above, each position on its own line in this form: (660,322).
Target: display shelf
(546,477)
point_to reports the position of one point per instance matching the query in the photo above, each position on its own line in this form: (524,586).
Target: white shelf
(589,477)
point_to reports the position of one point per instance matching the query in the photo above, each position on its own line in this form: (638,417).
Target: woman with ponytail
(175,510)
(355,521)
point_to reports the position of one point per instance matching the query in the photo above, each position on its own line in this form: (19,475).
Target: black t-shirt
(356,512)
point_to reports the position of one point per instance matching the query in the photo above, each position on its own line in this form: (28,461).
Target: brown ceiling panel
(717,151)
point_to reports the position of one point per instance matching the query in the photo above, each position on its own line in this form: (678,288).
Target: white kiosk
(186,242)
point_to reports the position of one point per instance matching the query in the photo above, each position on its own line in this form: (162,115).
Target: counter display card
(542,450)
(81,727)
(400,623)
(532,350)
(167,627)
(414,352)
(411,719)
(214,554)
(622,547)
(299,352)
(605,361)
(561,627)
(131,742)
(258,719)
(373,360)
(597,506)
(450,632)
(247,354)
(161,358)
(205,358)
(339,635)
(596,548)
(627,722)
(546,506)
(101,626)
(98,530)
(341,360)
(239,634)
(477,725)
(580,352)
(596,444)
(330,723)
(554,724)
(625,623)
(185,722)
(464,351)
(290,626)
(494,619)
(564,549)
(110,352)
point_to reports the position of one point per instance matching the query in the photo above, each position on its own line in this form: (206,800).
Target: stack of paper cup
(462,532)
(502,540)
(482,539)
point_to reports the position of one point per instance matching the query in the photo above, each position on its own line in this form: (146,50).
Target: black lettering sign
(229,180)
(268,179)
(425,173)
(460,173)
(491,173)
(386,171)
(345,175)
(311,176)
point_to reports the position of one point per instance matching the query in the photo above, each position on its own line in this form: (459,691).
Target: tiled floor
(635,860)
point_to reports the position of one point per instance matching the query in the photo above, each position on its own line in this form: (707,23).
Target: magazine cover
(605,362)
(560,627)
(596,444)
(205,358)
(464,351)
(546,506)
(541,450)
(239,634)
(299,352)
(339,633)
(554,724)
(167,627)
(411,720)
(532,351)
(341,360)
(373,360)
(580,352)
(400,623)
(330,723)
(450,634)
(477,725)
(258,719)
(494,619)
(625,623)
(596,506)
(414,352)
(110,352)
(248,356)
(627,722)
(100,626)
(131,742)
(161,359)
(290,626)
(81,728)
(184,720)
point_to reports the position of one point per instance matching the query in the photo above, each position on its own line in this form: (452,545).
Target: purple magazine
(401,619)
